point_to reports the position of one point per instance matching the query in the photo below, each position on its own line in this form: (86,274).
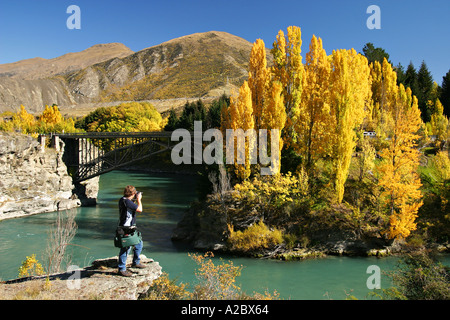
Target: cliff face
(32,180)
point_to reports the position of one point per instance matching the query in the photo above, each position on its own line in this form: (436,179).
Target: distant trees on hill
(196,111)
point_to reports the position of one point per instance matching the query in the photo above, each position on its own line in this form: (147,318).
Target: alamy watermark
(374,21)
(250,144)
(374,280)
(74,280)
(74,20)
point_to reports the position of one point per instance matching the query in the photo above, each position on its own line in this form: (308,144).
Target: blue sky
(410,30)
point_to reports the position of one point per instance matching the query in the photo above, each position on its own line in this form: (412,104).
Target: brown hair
(129,191)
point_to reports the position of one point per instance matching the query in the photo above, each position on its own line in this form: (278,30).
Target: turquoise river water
(166,197)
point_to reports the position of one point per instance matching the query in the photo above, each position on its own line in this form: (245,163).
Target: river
(166,197)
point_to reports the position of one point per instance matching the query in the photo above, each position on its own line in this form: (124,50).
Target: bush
(256,237)
(419,277)
(214,282)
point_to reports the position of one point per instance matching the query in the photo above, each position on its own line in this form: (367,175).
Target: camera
(136,194)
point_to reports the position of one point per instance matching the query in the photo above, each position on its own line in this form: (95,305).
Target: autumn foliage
(323,105)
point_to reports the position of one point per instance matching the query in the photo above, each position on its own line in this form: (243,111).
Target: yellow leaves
(257,236)
(288,70)
(439,122)
(258,77)
(399,180)
(31,267)
(313,118)
(216,282)
(349,93)
(51,115)
(273,191)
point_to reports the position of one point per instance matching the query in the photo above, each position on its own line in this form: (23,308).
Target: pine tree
(445,93)
(425,86)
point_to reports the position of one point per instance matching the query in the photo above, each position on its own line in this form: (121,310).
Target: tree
(313,118)
(349,94)
(384,91)
(240,116)
(439,122)
(445,93)
(258,77)
(24,120)
(374,54)
(172,122)
(398,178)
(288,70)
(425,87)
(274,117)
(51,115)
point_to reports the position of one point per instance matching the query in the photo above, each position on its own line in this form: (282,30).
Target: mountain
(197,65)
(39,68)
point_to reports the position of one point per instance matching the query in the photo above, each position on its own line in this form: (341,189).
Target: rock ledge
(98,281)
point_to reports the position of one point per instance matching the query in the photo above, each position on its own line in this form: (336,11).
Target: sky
(410,31)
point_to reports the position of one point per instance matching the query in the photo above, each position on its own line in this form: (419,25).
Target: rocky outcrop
(98,281)
(34,180)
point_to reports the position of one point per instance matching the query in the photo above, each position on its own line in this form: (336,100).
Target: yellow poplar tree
(288,70)
(240,113)
(384,95)
(439,122)
(258,77)
(349,93)
(398,178)
(274,115)
(312,124)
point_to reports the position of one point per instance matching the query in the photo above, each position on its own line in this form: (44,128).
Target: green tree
(424,94)
(172,122)
(445,93)
(374,54)
(411,78)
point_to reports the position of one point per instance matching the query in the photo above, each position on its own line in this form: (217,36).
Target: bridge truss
(88,155)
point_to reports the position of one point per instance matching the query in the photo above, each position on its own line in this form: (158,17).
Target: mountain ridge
(196,65)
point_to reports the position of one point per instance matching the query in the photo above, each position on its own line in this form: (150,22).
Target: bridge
(91,154)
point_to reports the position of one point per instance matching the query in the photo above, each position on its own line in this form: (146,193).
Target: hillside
(39,68)
(198,65)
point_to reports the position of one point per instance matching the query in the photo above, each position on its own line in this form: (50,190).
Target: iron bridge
(91,154)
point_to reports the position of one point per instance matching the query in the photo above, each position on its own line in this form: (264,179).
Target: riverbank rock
(98,281)
(34,179)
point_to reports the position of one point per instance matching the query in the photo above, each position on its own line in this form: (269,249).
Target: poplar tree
(258,77)
(398,178)
(288,70)
(349,93)
(313,118)
(240,116)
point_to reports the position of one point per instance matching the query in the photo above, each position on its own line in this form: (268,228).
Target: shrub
(419,277)
(31,267)
(256,237)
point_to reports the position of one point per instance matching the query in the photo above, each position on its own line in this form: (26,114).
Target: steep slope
(39,68)
(198,65)
(189,66)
